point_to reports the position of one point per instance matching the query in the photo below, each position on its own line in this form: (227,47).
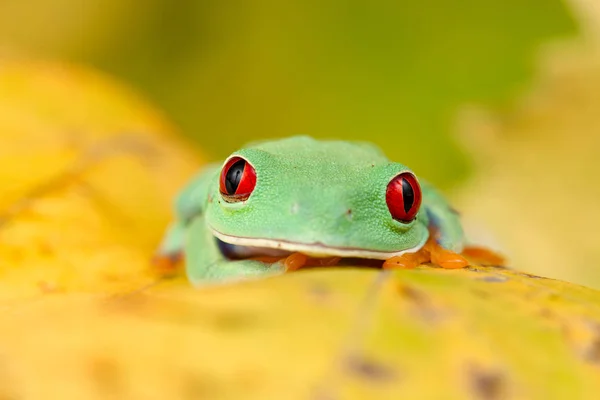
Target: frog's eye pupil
(234,176)
(408,195)
(238,179)
(403,197)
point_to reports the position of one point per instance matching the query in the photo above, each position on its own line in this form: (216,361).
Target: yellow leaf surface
(88,174)
(483,333)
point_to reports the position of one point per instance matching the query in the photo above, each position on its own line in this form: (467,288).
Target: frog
(275,206)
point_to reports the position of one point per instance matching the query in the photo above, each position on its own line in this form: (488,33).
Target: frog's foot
(448,259)
(431,252)
(296,261)
(407,260)
(443,257)
(484,256)
(167,263)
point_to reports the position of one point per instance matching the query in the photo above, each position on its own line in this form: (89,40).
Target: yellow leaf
(88,174)
(482,333)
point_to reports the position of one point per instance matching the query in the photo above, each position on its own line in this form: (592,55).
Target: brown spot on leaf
(421,303)
(196,386)
(493,278)
(547,313)
(48,287)
(480,293)
(106,376)
(486,383)
(324,393)
(369,370)
(319,292)
(591,350)
(233,320)
(592,353)
(413,295)
(133,302)
(583,337)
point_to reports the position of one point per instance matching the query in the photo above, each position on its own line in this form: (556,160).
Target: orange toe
(406,260)
(483,255)
(167,263)
(295,261)
(448,259)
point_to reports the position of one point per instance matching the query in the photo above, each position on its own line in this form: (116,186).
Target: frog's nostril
(348,213)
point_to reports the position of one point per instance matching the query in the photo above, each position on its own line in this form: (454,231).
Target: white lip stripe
(312,249)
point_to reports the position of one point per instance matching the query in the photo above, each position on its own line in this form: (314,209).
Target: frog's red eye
(403,197)
(238,179)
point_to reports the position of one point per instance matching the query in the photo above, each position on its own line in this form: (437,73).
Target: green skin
(322,198)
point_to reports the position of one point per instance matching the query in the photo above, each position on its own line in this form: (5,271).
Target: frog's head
(322,198)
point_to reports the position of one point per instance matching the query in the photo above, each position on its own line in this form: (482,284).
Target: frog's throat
(313,249)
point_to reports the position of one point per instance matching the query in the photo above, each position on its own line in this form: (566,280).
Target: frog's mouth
(244,247)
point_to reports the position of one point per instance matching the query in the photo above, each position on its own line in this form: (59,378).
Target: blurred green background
(483,98)
(393,72)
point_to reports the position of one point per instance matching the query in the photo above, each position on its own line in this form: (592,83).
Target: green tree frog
(273,206)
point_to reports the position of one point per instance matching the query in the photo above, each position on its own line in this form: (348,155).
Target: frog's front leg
(170,251)
(432,252)
(206,264)
(444,221)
